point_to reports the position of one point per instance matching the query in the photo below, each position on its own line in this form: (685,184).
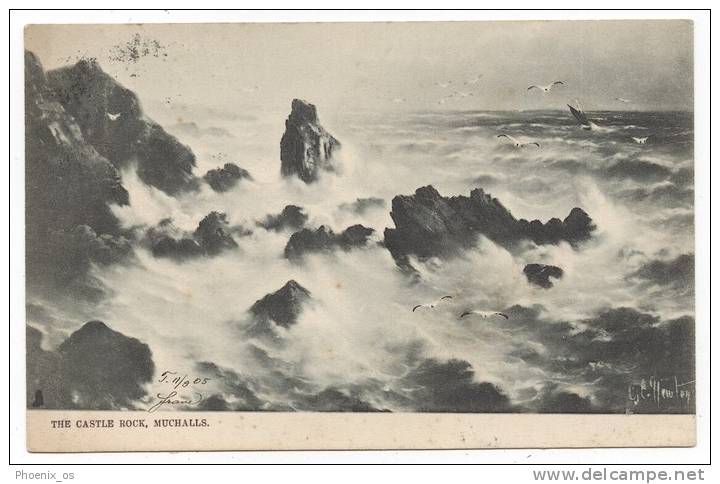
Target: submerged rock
(225,178)
(292,217)
(324,239)
(362,205)
(191,128)
(282,306)
(430,225)
(335,400)
(540,274)
(306,148)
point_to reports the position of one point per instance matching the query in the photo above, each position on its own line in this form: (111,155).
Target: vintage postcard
(403,235)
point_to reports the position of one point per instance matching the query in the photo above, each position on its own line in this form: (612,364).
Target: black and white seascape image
(467,217)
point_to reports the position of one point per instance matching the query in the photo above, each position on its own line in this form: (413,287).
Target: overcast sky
(356,66)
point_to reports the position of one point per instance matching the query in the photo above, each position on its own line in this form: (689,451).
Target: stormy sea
(418,262)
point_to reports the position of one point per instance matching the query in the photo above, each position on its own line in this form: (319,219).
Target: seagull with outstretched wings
(462,94)
(484,314)
(474,80)
(432,304)
(545,88)
(517,143)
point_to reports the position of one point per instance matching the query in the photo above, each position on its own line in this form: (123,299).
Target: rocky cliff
(428,224)
(111,120)
(306,148)
(68,186)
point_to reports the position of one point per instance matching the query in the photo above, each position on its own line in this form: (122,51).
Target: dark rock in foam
(282,306)
(212,236)
(292,217)
(540,274)
(428,225)
(324,240)
(306,148)
(225,178)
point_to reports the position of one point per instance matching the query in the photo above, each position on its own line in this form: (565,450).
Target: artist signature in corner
(178,382)
(661,391)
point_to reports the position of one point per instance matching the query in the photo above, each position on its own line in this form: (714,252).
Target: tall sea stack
(306,148)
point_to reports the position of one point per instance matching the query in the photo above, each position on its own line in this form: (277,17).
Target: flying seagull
(545,88)
(432,304)
(640,141)
(580,117)
(474,80)
(463,94)
(399,100)
(623,100)
(517,143)
(113,117)
(443,84)
(484,314)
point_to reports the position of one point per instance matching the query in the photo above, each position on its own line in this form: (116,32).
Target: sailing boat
(580,116)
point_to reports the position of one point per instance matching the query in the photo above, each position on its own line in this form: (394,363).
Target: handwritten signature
(173,399)
(177,382)
(660,390)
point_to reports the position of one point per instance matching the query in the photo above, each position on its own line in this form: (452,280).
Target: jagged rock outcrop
(166,240)
(354,236)
(540,274)
(575,228)
(282,306)
(212,236)
(95,368)
(112,121)
(225,178)
(292,217)
(306,148)
(324,239)
(68,186)
(428,225)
